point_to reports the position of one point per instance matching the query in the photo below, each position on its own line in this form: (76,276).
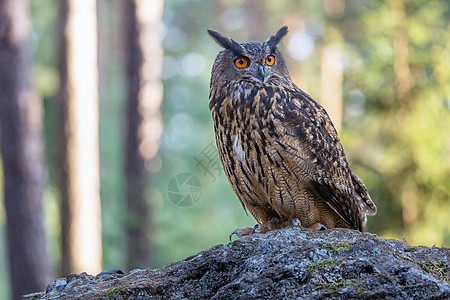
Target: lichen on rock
(286,263)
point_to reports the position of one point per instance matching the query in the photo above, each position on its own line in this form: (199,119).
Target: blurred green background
(395,129)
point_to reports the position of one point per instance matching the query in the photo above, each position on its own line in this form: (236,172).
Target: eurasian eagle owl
(279,148)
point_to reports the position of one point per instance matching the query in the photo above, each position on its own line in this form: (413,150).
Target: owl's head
(260,63)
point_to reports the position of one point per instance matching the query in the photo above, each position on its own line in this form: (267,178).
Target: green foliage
(437,268)
(326,263)
(44,18)
(332,287)
(116,291)
(400,147)
(35,296)
(339,247)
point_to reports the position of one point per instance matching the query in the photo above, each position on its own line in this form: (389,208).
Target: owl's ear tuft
(276,38)
(226,43)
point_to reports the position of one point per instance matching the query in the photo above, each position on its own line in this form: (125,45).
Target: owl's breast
(244,121)
(248,137)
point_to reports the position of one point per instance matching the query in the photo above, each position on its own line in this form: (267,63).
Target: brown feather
(280,151)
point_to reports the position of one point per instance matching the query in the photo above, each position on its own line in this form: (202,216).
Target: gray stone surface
(284,264)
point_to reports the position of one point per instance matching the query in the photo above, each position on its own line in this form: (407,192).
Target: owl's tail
(366,205)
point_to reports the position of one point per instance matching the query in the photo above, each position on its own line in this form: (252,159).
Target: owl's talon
(296,222)
(234,232)
(242,232)
(318,226)
(256,228)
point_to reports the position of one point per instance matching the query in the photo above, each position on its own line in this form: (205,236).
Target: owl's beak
(261,73)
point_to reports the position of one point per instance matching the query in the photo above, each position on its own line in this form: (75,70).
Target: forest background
(380,68)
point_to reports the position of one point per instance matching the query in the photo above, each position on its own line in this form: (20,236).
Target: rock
(287,263)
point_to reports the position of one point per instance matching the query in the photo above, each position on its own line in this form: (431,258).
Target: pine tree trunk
(22,153)
(331,82)
(143,120)
(403,83)
(332,62)
(403,78)
(256,20)
(78,137)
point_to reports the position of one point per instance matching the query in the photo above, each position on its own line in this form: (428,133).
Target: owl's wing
(313,135)
(366,204)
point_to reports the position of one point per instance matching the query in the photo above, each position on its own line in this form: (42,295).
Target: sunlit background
(381,68)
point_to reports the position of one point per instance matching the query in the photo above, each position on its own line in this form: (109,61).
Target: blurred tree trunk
(256,20)
(332,62)
(403,84)
(78,137)
(331,82)
(143,51)
(296,24)
(403,80)
(22,153)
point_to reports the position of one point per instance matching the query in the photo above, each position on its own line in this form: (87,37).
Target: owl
(280,151)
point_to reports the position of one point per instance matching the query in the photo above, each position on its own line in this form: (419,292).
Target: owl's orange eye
(270,60)
(241,62)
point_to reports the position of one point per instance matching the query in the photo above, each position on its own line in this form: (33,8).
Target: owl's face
(258,63)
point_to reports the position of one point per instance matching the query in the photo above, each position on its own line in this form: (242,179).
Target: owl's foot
(246,231)
(270,225)
(296,223)
(318,226)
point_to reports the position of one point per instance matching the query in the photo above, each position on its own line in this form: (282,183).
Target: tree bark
(22,153)
(143,53)
(78,137)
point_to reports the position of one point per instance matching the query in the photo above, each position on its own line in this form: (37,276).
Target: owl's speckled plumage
(279,148)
